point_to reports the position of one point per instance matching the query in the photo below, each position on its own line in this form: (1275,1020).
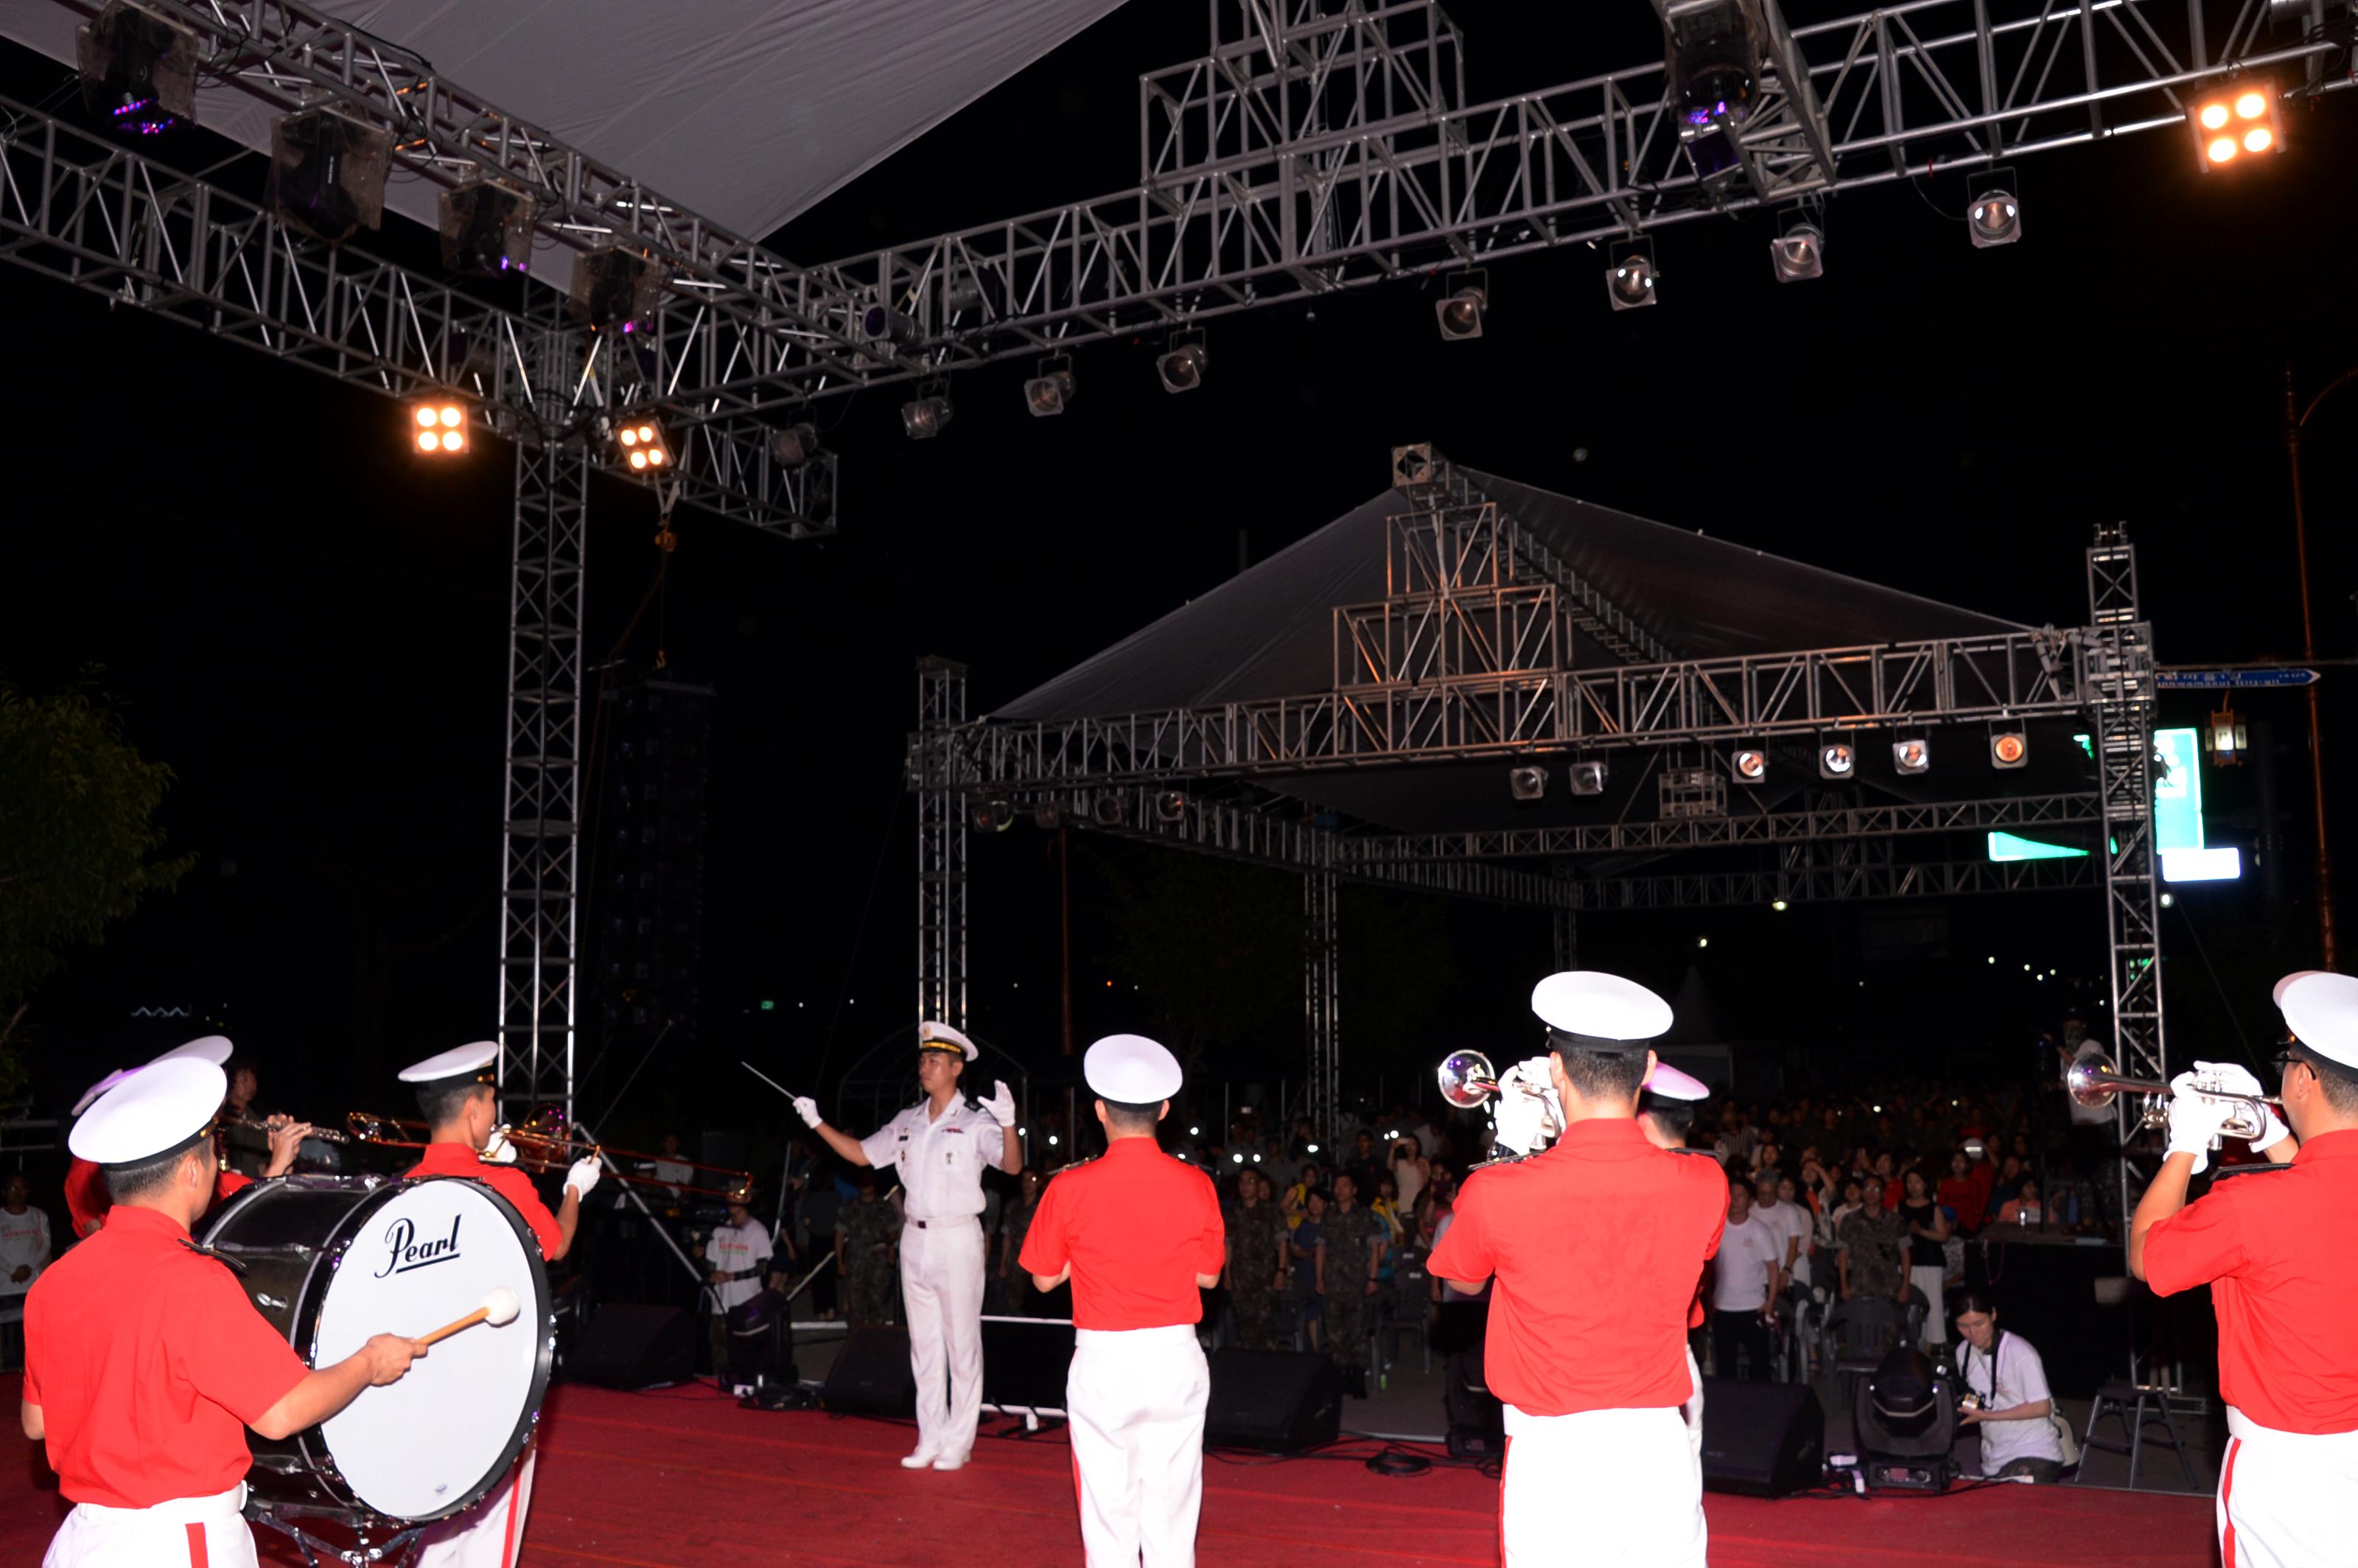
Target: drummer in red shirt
(86,1196)
(1596,1247)
(144,1361)
(2280,1254)
(1138,1234)
(456,1092)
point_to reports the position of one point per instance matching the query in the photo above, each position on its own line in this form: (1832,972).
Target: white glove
(499,1150)
(2195,1121)
(1001,1103)
(1517,1113)
(808,1108)
(2237,1079)
(582,1175)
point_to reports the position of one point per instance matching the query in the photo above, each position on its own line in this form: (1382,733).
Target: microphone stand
(631,1192)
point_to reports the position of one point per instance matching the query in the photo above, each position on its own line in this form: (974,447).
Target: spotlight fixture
(1778,904)
(1799,254)
(327,173)
(2235,119)
(1170,805)
(924,415)
(993,816)
(439,427)
(1048,816)
(1911,756)
(613,287)
(1181,367)
(795,446)
(1046,393)
(1995,216)
(1110,809)
(486,228)
(883,324)
(1713,52)
(1750,765)
(643,443)
(1527,783)
(137,70)
(1630,281)
(1588,778)
(1836,760)
(1461,310)
(2009,748)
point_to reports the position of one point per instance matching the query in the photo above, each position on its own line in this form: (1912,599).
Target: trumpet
(1467,1080)
(2095,1082)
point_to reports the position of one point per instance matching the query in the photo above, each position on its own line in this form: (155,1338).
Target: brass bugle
(2093,1082)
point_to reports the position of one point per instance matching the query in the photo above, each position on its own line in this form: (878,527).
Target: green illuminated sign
(2176,791)
(2013,847)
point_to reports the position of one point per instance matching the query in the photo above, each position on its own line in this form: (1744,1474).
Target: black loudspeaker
(1765,1440)
(1024,1360)
(1279,1401)
(870,1375)
(628,1346)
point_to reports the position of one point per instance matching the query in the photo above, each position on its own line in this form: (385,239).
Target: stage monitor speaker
(870,1375)
(1024,1360)
(625,1345)
(1765,1440)
(1278,1400)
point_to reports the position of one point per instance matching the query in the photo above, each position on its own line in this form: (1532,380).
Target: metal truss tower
(1321,1000)
(2120,668)
(936,774)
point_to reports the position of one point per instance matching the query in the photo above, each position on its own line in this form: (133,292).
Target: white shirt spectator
(734,1249)
(24,1244)
(675,1174)
(2011,1375)
(1740,1282)
(1791,1223)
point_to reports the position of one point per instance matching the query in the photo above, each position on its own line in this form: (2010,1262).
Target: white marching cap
(1672,1084)
(213,1048)
(936,1036)
(156,1110)
(2321,1010)
(458,1061)
(100,1088)
(1131,1068)
(1603,1009)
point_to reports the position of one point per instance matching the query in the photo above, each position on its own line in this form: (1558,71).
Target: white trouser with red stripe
(1618,1488)
(204,1533)
(941,1284)
(1692,1412)
(2284,1498)
(1134,1404)
(490,1534)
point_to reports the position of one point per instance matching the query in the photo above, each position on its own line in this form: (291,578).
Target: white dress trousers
(941,1285)
(2284,1498)
(1693,1413)
(207,1532)
(1618,1488)
(490,1534)
(1134,1405)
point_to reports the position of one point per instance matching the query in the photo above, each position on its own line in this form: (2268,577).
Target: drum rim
(330,1253)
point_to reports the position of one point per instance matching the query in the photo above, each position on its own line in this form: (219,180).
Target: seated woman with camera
(2006,1399)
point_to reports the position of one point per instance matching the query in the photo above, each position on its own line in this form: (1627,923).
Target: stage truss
(1470,655)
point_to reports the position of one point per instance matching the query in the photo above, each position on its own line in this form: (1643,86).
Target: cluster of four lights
(1910,755)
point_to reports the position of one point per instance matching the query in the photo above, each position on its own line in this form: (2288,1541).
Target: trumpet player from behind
(2280,1254)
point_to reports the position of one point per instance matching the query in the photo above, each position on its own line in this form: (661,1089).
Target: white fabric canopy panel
(745,112)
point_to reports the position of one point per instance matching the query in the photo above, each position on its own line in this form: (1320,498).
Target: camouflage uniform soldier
(1349,1244)
(865,1236)
(1868,1243)
(1015,1223)
(1255,1269)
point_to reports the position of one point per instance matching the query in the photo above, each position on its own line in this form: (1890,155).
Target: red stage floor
(685,1480)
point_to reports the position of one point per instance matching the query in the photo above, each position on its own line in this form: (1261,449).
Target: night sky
(310,625)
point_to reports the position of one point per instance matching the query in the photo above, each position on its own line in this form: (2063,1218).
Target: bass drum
(330,1260)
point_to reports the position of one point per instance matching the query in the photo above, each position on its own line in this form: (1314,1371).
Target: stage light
(1836,760)
(1749,765)
(1713,52)
(924,415)
(613,287)
(1995,216)
(1799,254)
(994,816)
(1777,904)
(1048,816)
(1111,810)
(883,324)
(1527,783)
(644,445)
(1182,368)
(1461,310)
(1914,756)
(1170,805)
(137,70)
(795,446)
(327,173)
(2232,119)
(440,426)
(1588,778)
(1630,281)
(1702,941)
(1046,393)
(2009,748)
(486,228)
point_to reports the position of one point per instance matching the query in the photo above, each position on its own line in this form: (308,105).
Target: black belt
(937,1224)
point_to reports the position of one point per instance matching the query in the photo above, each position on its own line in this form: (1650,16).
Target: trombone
(2095,1082)
(545,1152)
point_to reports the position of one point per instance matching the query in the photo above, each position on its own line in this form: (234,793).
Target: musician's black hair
(1736,1180)
(444,1101)
(1601,1075)
(1121,1116)
(239,1061)
(1675,1117)
(2336,1082)
(1976,1298)
(148,1179)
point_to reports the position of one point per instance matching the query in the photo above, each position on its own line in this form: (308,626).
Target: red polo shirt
(1136,1226)
(1597,1246)
(87,1199)
(458,1160)
(148,1364)
(2276,1251)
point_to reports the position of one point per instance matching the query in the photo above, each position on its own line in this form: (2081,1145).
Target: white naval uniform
(1645,1460)
(490,1534)
(940,1162)
(2284,1496)
(94,1536)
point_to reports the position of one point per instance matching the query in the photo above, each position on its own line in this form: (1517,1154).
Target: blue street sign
(2220,680)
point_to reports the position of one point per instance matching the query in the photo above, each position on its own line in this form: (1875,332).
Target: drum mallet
(499,1309)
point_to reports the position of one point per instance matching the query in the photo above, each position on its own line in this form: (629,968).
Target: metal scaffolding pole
(941,842)
(1321,1003)
(2121,693)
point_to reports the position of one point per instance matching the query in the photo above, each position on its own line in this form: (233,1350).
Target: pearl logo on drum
(406,1252)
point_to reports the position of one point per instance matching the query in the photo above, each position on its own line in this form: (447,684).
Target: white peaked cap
(2321,1010)
(161,1108)
(1131,1068)
(1600,1007)
(936,1035)
(458,1061)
